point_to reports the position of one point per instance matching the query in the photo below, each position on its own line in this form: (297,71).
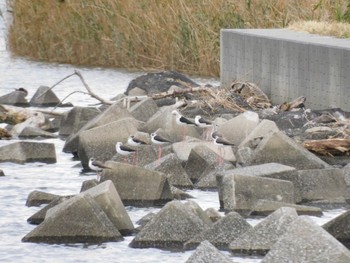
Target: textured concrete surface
(287,64)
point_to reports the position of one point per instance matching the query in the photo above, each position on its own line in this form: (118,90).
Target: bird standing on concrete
(124,150)
(182,121)
(204,124)
(221,142)
(97,166)
(159,140)
(135,142)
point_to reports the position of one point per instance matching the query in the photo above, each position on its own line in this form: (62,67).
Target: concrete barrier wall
(287,64)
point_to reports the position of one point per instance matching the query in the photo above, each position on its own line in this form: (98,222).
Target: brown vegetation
(181,35)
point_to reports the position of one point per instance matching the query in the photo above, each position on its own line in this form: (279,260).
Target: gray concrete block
(322,185)
(279,148)
(241,192)
(263,236)
(305,241)
(288,64)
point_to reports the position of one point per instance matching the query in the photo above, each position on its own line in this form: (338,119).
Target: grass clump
(180,35)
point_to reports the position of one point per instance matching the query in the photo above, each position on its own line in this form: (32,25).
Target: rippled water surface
(63,178)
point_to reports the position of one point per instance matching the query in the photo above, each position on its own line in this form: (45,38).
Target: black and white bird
(182,121)
(159,141)
(222,142)
(204,124)
(135,142)
(124,150)
(97,166)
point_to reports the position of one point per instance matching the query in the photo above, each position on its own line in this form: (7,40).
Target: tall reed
(180,35)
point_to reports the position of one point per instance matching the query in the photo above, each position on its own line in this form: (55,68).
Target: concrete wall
(287,64)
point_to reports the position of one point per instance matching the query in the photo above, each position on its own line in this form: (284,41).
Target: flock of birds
(134,143)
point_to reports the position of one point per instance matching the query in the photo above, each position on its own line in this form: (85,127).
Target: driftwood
(329,147)
(297,103)
(252,94)
(87,87)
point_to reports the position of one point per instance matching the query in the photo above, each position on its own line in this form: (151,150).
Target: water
(63,178)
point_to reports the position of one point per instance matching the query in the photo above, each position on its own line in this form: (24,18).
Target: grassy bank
(149,34)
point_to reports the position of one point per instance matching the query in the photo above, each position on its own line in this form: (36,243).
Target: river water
(63,178)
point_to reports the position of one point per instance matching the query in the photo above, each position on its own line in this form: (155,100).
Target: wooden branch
(329,147)
(178,93)
(91,93)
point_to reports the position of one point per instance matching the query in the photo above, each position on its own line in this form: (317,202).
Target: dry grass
(336,29)
(181,35)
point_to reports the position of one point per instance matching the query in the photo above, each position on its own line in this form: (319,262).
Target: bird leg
(159,153)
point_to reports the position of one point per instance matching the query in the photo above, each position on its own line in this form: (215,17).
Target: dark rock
(339,228)
(160,82)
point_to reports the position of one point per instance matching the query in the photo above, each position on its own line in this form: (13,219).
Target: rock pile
(265,171)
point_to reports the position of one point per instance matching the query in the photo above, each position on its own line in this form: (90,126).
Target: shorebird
(221,142)
(124,150)
(135,142)
(203,123)
(159,140)
(23,90)
(182,121)
(97,166)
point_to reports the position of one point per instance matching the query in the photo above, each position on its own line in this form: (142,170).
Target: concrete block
(144,109)
(138,186)
(23,152)
(111,114)
(222,232)
(207,253)
(339,228)
(174,224)
(305,241)
(238,128)
(263,236)
(241,192)
(69,224)
(263,128)
(99,142)
(73,120)
(171,166)
(279,148)
(322,185)
(266,207)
